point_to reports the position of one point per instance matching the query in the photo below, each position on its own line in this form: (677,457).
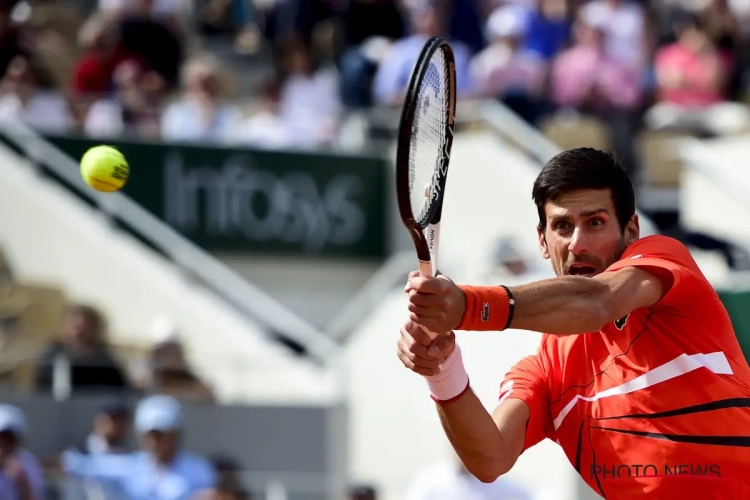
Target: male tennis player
(639,376)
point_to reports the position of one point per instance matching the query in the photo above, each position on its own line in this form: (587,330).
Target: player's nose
(578,242)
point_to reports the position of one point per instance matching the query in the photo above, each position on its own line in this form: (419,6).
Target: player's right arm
(487,444)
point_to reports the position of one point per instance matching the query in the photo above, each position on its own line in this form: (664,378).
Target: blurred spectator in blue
(265,126)
(111,430)
(549,28)
(392,77)
(366,25)
(21,476)
(164,470)
(80,360)
(199,114)
(506,70)
(466,22)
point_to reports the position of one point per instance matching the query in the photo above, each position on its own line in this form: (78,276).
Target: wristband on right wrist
(488,308)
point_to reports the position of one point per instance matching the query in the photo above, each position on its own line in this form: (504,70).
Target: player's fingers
(442,346)
(427,372)
(414,334)
(417,354)
(428,312)
(435,325)
(427,284)
(413,274)
(425,299)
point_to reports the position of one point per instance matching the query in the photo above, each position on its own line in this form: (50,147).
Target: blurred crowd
(148,69)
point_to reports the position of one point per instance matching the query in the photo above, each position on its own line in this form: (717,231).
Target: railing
(192,260)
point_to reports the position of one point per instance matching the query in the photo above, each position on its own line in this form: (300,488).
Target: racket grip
(425,269)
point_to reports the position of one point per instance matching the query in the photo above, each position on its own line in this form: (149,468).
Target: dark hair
(584,168)
(91,313)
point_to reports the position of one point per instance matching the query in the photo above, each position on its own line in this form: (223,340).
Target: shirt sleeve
(672,263)
(108,467)
(527,381)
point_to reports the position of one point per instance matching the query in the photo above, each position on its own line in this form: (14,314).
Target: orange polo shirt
(655,405)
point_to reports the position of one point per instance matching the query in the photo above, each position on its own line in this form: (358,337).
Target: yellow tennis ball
(104,168)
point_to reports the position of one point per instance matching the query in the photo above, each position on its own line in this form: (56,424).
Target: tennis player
(638,377)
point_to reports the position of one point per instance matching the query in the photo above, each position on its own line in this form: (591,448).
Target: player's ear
(542,242)
(632,230)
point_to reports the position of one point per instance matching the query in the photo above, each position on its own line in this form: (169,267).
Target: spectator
(549,29)
(362,492)
(266,127)
(587,77)
(228,484)
(21,475)
(168,372)
(24,100)
(691,79)
(623,23)
(451,481)
(392,77)
(199,115)
(111,428)
(83,353)
(162,471)
(152,40)
(135,108)
(100,40)
(505,70)
(310,102)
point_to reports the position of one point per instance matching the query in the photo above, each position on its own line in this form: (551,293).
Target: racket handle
(425,269)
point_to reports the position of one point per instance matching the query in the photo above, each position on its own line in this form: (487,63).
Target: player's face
(583,236)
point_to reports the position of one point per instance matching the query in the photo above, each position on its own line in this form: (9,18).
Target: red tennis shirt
(655,405)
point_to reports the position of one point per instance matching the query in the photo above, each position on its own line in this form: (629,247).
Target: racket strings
(428,138)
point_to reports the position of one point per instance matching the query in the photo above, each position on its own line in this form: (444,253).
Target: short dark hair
(89,312)
(584,168)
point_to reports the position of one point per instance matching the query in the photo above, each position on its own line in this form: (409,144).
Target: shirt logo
(506,390)
(637,256)
(620,323)
(486,312)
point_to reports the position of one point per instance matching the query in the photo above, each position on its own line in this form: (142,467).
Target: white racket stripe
(432,235)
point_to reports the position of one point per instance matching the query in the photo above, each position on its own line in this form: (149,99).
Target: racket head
(425,140)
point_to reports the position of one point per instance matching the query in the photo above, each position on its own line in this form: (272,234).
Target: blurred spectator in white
(451,481)
(507,71)
(164,470)
(168,371)
(691,79)
(392,78)
(199,115)
(134,110)
(21,476)
(310,100)
(624,25)
(265,126)
(22,99)
(80,359)
(549,29)
(586,76)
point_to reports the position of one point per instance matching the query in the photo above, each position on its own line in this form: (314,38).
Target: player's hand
(420,354)
(435,303)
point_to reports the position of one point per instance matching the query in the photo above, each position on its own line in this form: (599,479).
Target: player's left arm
(566,305)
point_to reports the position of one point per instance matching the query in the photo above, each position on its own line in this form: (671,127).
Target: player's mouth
(579,269)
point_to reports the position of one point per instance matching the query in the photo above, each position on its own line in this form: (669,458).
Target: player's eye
(596,221)
(562,225)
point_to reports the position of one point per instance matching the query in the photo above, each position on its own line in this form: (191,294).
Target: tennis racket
(424,146)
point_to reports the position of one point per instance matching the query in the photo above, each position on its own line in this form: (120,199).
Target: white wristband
(452,381)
